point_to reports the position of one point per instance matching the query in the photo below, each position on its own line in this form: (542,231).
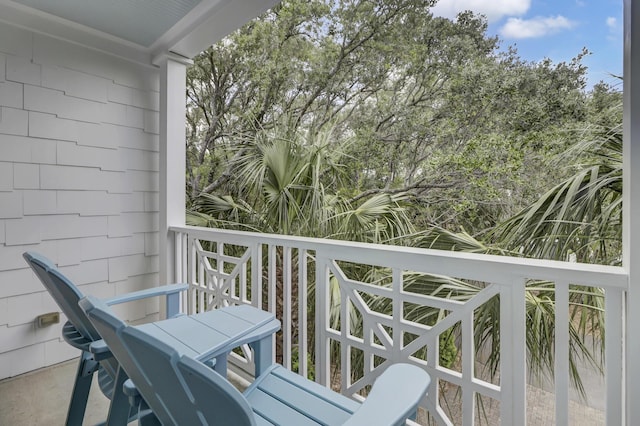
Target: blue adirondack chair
(80,333)
(183,391)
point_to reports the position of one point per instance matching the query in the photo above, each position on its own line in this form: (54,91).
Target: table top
(212,333)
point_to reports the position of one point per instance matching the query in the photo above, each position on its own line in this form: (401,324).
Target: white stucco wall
(78,183)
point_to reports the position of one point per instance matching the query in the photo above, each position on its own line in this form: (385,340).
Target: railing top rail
(482,267)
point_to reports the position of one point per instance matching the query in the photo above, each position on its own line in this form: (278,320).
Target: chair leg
(119,408)
(80,394)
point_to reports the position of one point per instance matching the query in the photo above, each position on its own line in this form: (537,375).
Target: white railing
(353,324)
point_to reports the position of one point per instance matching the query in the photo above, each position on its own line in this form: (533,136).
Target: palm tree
(283,184)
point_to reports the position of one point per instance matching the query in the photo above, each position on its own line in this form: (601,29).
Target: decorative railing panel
(348,310)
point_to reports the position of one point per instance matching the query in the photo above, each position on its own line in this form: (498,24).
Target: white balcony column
(172,157)
(631,206)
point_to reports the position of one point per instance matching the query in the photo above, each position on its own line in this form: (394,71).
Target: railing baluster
(203,281)
(178,261)
(614,320)
(322,319)
(286,306)
(367,335)
(256,275)
(185,257)
(468,360)
(397,314)
(243,284)
(507,341)
(222,281)
(271,301)
(191,275)
(272,279)
(302,313)
(345,348)
(519,349)
(562,353)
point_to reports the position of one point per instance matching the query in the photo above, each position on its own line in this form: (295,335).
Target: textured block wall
(78,183)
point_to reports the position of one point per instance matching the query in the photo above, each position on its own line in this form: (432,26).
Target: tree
(410,97)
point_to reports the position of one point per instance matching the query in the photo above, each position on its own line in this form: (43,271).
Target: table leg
(263,354)
(221,364)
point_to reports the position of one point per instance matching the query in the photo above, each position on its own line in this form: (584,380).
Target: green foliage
(422,106)
(285,181)
(580,218)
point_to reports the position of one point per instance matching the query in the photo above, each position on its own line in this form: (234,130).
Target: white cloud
(612,23)
(535,27)
(493,9)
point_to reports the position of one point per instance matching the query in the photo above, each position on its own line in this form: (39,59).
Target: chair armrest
(100,350)
(165,290)
(393,398)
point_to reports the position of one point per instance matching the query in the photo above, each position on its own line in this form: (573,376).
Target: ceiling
(139,21)
(140,30)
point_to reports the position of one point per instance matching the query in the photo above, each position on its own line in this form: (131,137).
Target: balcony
(92,143)
(352,328)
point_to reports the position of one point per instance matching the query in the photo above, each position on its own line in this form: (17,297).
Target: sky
(555,29)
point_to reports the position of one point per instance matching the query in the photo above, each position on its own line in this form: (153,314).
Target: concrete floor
(41,397)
